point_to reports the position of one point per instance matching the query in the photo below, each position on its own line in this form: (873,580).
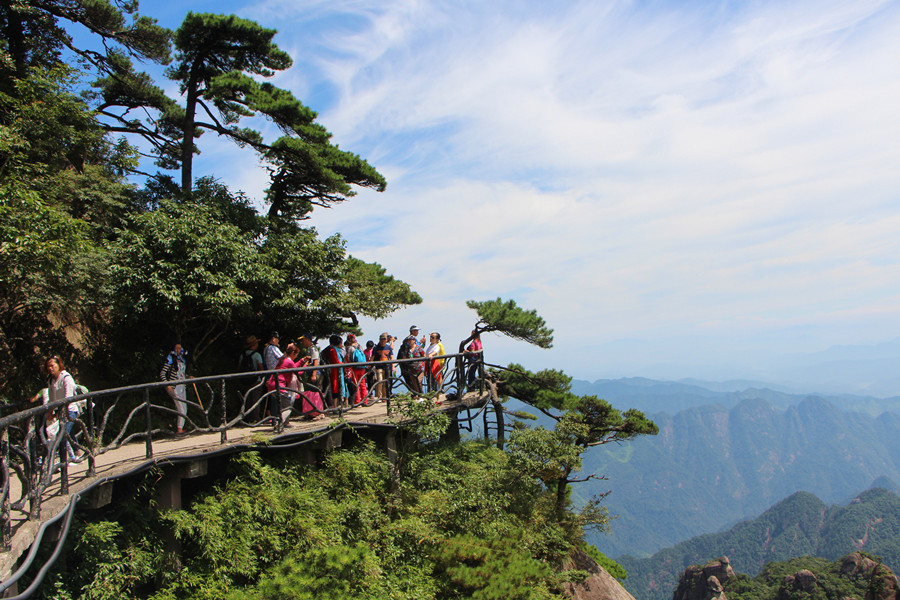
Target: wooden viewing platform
(193,449)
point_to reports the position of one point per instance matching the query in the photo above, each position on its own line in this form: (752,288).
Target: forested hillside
(710,467)
(797,526)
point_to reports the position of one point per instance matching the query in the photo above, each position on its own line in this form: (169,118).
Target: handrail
(112,418)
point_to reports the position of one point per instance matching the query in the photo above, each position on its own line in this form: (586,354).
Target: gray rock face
(706,582)
(883,585)
(803,581)
(857,564)
(599,585)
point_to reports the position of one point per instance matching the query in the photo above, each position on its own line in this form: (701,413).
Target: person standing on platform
(334,355)
(272,352)
(383,352)
(474,359)
(435,370)
(175,369)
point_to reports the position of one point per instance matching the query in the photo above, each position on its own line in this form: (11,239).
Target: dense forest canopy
(456,521)
(107,264)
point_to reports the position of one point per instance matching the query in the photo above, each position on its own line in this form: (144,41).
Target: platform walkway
(131,458)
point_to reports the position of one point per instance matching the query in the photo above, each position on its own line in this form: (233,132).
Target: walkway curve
(131,459)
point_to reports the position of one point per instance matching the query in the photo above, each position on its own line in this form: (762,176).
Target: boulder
(801,581)
(706,582)
(856,564)
(883,584)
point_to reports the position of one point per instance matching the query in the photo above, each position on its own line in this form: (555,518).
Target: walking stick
(199,401)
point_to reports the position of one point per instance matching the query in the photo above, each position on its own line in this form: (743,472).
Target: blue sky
(679,188)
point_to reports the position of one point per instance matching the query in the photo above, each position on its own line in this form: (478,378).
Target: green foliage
(203,266)
(417,413)
(363,278)
(112,564)
(498,569)
(183,264)
(53,164)
(553,455)
(608,564)
(547,455)
(462,522)
(546,389)
(330,573)
(35,37)
(509,319)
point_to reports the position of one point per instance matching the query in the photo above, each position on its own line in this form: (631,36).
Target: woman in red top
(286,384)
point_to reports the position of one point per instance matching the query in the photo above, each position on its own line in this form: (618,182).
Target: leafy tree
(330,573)
(187,268)
(509,319)
(34,36)
(581,423)
(37,36)
(46,267)
(216,54)
(216,61)
(202,265)
(60,183)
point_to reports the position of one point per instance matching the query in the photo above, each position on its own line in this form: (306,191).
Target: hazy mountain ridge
(712,466)
(797,526)
(652,396)
(860,370)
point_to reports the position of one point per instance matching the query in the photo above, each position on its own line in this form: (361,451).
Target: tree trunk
(561,485)
(15,42)
(187,141)
(498,412)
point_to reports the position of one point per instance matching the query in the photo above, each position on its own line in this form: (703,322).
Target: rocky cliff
(856,576)
(599,585)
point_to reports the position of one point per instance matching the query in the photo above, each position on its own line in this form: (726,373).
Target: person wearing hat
(414,332)
(272,352)
(251,360)
(312,354)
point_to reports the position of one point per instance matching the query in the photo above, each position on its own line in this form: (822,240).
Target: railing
(35,444)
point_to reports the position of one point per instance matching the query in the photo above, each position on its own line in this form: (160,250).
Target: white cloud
(708,181)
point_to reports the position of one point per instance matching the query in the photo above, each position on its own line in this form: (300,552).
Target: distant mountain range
(849,369)
(797,526)
(728,456)
(652,396)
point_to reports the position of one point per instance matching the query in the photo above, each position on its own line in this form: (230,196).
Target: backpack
(80,390)
(358,355)
(246,362)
